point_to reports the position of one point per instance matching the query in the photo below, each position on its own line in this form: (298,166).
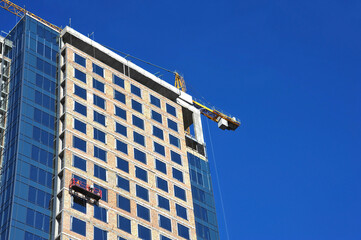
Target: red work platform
(86,190)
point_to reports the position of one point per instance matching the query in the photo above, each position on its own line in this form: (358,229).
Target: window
(100,234)
(158,132)
(79,204)
(138,122)
(164,238)
(99,118)
(79,75)
(141,174)
(171,110)
(138,138)
(175,157)
(80,108)
(79,163)
(100,154)
(78,226)
(100,172)
(200,212)
(172,125)
(144,233)
(119,96)
(99,135)
(137,106)
(142,193)
(123,203)
(80,126)
(159,148)
(80,92)
(136,90)
(79,60)
(123,147)
(98,70)
(123,183)
(160,166)
(98,101)
(162,184)
(98,85)
(79,144)
(119,128)
(174,141)
(124,224)
(100,213)
(143,212)
(120,112)
(155,101)
(156,116)
(122,164)
(181,211)
(177,175)
(183,231)
(140,156)
(104,192)
(163,203)
(165,223)
(118,81)
(180,193)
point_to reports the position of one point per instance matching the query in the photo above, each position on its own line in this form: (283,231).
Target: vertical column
(197,122)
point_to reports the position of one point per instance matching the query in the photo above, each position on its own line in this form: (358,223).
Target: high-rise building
(95,146)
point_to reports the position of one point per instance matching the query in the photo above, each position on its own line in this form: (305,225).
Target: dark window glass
(119,128)
(165,223)
(183,231)
(99,135)
(100,213)
(174,140)
(160,166)
(78,226)
(100,234)
(118,81)
(144,233)
(99,118)
(140,156)
(138,122)
(80,75)
(142,193)
(143,212)
(123,203)
(79,60)
(171,110)
(155,101)
(98,85)
(80,126)
(175,157)
(137,106)
(98,70)
(200,212)
(79,144)
(122,164)
(98,101)
(80,108)
(138,138)
(172,125)
(119,96)
(158,132)
(162,184)
(119,112)
(181,211)
(159,148)
(163,203)
(156,116)
(100,154)
(123,147)
(81,92)
(124,224)
(100,172)
(136,90)
(141,174)
(177,175)
(79,163)
(104,192)
(79,204)
(123,183)
(180,193)
(164,238)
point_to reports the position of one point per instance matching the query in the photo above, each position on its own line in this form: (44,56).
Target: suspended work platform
(87,190)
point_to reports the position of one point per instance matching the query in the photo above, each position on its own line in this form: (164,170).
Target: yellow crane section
(21,12)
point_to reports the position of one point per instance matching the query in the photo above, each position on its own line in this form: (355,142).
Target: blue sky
(290,70)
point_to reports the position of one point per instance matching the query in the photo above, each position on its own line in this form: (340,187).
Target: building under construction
(96,147)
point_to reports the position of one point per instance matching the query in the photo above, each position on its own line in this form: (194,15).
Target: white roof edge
(186,97)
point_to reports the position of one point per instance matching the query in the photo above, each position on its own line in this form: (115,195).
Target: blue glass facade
(27,179)
(203,199)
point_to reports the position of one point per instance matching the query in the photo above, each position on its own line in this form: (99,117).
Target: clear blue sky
(290,71)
